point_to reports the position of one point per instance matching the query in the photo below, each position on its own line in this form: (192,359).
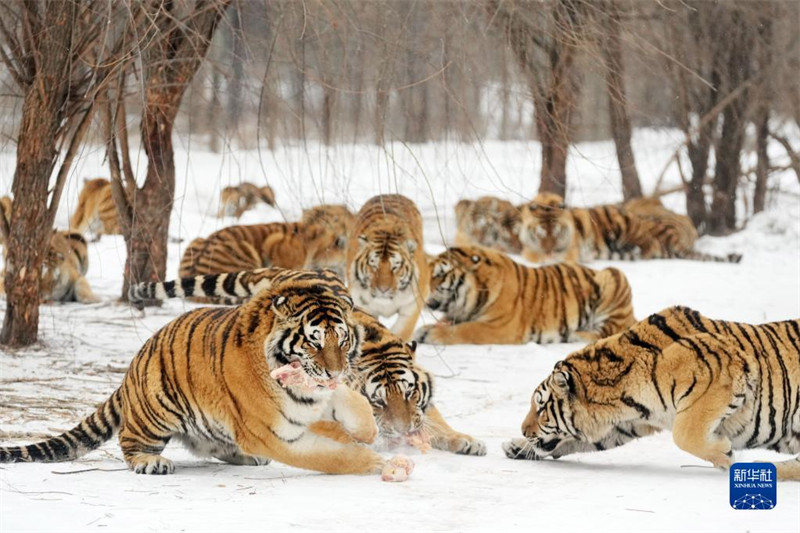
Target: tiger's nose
(527,430)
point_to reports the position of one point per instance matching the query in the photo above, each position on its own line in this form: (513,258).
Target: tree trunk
(31,223)
(762,163)
(618,103)
(237,70)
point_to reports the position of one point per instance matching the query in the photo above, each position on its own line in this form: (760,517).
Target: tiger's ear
(411,244)
(412,347)
(281,306)
(563,380)
(362,241)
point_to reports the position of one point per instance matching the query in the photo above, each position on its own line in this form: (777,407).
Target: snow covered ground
(648,485)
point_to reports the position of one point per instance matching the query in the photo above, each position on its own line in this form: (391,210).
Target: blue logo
(754,486)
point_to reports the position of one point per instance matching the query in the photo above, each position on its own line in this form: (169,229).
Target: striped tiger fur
(490,222)
(236,199)
(387,270)
(214,392)
(675,232)
(64,268)
(96,211)
(336,218)
(552,232)
(291,245)
(489,299)
(385,371)
(718,386)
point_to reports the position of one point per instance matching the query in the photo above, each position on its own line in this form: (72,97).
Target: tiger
(487,298)
(385,371)
(291,245)
(676,232)
(335,217)
(387,269)
(490,222)
(62,278)
(96,211)
(205,380)
(236,199)
(551,232)
(718,386)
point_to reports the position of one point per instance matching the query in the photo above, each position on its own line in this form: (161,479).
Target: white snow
(648,485)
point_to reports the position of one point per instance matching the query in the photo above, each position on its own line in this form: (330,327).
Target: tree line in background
(338,71)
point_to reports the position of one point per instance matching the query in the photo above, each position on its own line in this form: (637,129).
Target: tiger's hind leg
(142,451)
(444,437)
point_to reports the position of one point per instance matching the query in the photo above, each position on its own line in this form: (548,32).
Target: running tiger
(63,270)
(386,266)
(385,371)
(96,211)
(289,245)
(489,299)
(718,386)
(489,222)
(552,232)
(215,393)
(236,199)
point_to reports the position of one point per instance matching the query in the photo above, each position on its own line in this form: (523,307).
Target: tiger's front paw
(433,334)
(520,448)
(468,446)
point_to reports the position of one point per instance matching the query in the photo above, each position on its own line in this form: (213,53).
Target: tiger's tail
(615,307)
(226,288)
(90,434)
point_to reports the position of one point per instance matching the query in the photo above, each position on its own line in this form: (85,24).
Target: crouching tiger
(718,386)
(552,232)
(487,298)
(214,391)
(385,371)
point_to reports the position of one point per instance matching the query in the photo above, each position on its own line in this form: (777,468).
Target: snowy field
(648,485)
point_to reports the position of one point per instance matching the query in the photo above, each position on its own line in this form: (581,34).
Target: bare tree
(177,40)
(545,39)
(60,54)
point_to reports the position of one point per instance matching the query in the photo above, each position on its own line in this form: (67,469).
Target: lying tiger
(552,233)
(489,299)
(718,386)
(64,268)
(291,245)
(336,218)
(490,222)
(215,391)
(96,211)
(236,199)
(385,371)
(387,271)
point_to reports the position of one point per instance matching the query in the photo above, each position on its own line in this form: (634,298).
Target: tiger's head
(490,222)
(312,323)
(463,281)
(384,264)
(547,227)
(562,418)
(386,373)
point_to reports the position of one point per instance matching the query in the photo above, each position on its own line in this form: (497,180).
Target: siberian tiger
(552,232)
(490,222)
(387,270)
(236,199)
(675,232)
(63,270)
(385,371)
(96,211)
(718,386)
(205,380)
(289,245)
(489,299)
(336,218)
